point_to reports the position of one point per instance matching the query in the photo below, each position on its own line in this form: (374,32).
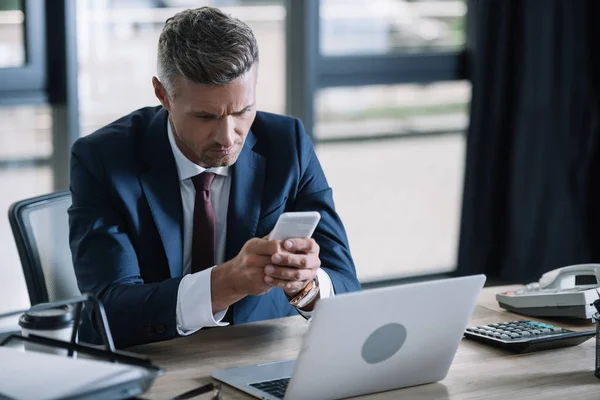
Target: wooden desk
(478,371)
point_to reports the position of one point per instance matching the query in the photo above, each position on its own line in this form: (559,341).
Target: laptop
(370,341)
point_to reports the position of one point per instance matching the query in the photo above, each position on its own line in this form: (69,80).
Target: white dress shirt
(194,305)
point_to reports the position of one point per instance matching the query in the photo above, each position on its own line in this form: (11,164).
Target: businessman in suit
(172,205)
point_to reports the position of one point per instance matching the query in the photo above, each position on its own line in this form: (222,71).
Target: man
(172,205)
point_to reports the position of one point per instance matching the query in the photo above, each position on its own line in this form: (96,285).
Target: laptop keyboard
(275,387)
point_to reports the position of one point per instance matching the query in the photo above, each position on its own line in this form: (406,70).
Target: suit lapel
(160,183)
(247,185)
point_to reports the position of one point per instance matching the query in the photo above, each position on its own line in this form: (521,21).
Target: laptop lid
(383,339)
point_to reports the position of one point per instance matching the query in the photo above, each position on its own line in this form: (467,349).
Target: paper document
(32,375)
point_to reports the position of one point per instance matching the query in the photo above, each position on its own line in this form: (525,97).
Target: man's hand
(294,265)
(243,275)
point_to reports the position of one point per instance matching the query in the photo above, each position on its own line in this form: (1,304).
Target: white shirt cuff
(325,289)
(194,304)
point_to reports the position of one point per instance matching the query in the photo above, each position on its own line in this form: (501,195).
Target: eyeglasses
(215,388)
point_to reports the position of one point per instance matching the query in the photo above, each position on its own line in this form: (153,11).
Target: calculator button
(545,330)
(555,329)
(525,334)
(504,337)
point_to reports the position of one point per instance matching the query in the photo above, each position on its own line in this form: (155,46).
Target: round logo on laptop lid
(383,343)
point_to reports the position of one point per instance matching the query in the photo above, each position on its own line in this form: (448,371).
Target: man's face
(210,123)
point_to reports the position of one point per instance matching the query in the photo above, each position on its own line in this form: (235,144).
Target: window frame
(308,70)
(26,84)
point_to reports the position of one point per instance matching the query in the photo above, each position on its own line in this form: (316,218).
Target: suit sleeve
(105,260)
(314,194)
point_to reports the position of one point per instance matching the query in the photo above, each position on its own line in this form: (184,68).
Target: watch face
(305,298)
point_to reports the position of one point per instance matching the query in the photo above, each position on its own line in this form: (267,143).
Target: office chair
(41,230)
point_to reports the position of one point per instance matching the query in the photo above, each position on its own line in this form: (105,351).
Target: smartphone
(296,224)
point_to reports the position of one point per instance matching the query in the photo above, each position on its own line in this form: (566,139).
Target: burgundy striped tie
(203,238)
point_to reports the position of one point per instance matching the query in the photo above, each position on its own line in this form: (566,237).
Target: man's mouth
(221,152)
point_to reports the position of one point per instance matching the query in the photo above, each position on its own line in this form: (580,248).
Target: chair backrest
(40,226)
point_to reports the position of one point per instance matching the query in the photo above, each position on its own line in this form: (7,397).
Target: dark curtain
(531,199)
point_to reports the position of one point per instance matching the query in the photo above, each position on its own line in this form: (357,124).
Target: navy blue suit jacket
(126,219)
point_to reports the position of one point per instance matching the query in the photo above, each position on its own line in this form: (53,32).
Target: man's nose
(225,134)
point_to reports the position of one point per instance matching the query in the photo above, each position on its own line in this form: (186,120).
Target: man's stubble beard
(214,162)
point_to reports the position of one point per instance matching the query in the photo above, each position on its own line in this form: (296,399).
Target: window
(391,26)
(25,145)
(12,37)
(25,134)
(391,110)
(400,201)
(22,52)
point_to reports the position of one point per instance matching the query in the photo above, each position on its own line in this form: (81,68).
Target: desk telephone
(563,292)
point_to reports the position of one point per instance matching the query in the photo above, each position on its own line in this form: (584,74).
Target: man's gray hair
(205,46)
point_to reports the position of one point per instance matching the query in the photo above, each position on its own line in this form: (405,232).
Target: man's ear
(161,93)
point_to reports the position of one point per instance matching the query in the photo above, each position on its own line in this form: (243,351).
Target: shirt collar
(186,168)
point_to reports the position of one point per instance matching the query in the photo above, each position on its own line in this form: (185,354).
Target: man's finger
(307,246)
(256,260)
(263,247)
(310,261)
(290,273)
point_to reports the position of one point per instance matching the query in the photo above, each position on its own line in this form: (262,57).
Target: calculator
(526,336)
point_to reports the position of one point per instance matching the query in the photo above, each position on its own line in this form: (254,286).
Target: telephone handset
(569,277)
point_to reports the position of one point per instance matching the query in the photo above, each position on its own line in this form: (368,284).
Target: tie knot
(203,181)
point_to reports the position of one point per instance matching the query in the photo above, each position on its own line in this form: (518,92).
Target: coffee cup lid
(53,318)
